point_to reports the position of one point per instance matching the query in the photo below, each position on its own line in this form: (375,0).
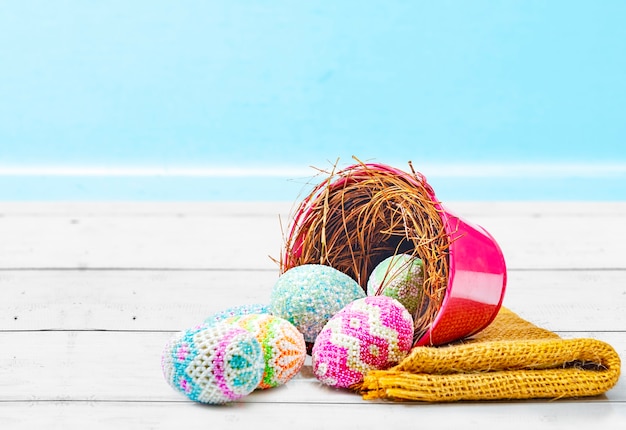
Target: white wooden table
(90,293)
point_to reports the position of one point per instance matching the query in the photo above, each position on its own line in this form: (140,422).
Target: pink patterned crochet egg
(370,333)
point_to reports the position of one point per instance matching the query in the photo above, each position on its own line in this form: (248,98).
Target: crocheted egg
(213,364)
(254,308)
(401,277)
(371,333)
(283,346)
(309,295)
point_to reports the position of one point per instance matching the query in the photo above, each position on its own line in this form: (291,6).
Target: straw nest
(359,216)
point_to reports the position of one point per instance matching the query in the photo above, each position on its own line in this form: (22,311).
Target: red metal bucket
(476,283)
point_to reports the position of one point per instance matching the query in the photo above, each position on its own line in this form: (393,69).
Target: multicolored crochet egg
(213,364)
(309,295)
(401,277)
(371,333)
(283,346)
(234,311)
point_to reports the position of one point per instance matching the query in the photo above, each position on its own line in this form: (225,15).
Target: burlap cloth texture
(510,359)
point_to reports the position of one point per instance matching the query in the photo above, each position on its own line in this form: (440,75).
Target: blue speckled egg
(309,295)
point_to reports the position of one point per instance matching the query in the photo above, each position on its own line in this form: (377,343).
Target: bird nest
(365,213)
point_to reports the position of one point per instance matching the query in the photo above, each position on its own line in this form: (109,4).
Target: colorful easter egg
(371,333)
(283,346)
(309,295)
(213,364)
(401,277)
(247,309)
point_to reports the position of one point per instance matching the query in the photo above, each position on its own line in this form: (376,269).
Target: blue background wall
(286,84)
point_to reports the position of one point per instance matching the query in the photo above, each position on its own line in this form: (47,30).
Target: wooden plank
(189,241)
(87,375)
(532,235)
(572,300)
(125,366)
(159,415)
(470,209)
(146,209)
(124,300)
(113,366)
(172,300)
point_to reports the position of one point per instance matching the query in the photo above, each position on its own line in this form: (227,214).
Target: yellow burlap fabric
(510,359)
